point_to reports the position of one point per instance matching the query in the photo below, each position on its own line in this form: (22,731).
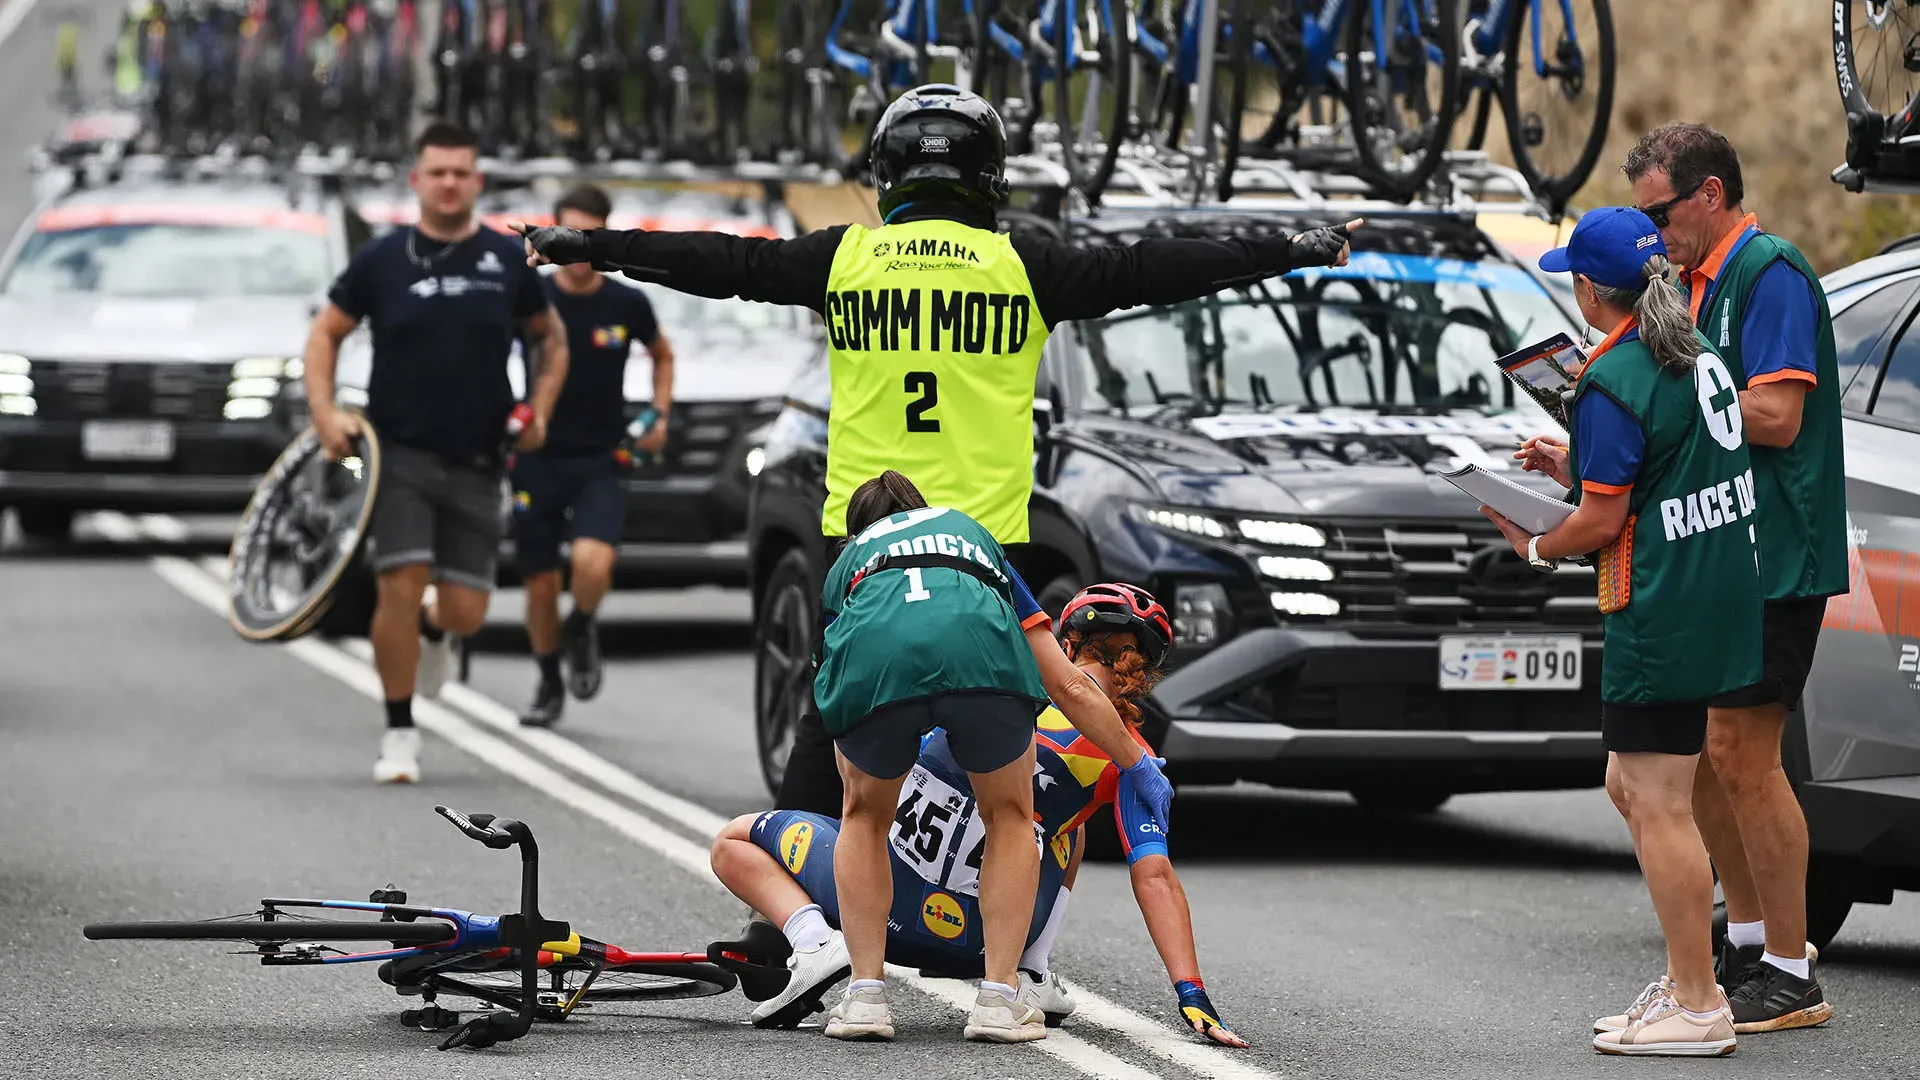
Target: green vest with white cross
(1691,625)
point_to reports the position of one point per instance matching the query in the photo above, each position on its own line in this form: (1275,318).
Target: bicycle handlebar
(482,827)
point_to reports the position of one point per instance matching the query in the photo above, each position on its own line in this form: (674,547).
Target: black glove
(1318,247)
(559,244)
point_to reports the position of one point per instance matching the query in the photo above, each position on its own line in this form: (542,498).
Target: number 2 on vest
(928,387)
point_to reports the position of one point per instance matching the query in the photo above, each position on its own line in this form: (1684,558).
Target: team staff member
(1761,305)
(446,298)
(1664,487)
(572,484)
(935,322)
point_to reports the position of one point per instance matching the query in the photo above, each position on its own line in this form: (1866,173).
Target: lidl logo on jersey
(943,916)
(795,842)
(947,320)
(1709,508)
(609,337)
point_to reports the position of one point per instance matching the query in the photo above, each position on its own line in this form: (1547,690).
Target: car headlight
(756,460)
(1281,533)
(1201,614)
(1292,569)
(247,408)
(1186,521)
(14,364)
(1258,530)
(1298,603)
(16,386)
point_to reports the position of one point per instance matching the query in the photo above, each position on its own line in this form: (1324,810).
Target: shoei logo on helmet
(934,144)
(795,842)
(943,916)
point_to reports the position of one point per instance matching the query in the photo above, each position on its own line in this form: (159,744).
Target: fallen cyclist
(781,862)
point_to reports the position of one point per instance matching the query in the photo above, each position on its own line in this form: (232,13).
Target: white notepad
(1523,506)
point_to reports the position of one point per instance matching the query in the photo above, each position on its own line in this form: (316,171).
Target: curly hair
(1133,677)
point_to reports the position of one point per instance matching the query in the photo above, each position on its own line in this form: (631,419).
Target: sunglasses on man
(1662,212)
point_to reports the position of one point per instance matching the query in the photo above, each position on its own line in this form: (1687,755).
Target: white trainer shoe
(813,974)
(399,757)
(995,1019)
(861,1015)
(1050,994)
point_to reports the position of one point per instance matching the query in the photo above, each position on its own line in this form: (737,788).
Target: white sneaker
(861,1015)
(813,973)
(399,757)
(436,660)
(995,1019)
(1050,994)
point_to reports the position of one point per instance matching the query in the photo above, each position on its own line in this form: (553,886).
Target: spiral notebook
(1525,507)
(1546,372)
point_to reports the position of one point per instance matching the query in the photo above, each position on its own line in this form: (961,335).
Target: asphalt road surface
(156,766)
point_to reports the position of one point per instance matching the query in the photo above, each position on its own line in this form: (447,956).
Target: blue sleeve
(1608,442)
(1139,835)
(1779,328)
(1025,607)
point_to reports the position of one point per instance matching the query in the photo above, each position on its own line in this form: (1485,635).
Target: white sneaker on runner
(399,757)
(812,975)
(995,1019)
(1050,994)
(862,1014)
(436,660)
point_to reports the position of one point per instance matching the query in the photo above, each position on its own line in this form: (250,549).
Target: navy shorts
(561,498)
(928,926)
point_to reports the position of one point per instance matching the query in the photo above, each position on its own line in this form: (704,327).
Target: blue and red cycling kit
(938,840)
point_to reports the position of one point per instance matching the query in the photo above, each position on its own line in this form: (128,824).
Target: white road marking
(12,15)
(648,832)
(113,524)
(164,527)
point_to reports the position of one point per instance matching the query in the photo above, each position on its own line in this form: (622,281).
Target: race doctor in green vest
(935,324)
(1658,465)
(1762,307)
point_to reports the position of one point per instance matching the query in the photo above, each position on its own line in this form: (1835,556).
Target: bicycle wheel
(1557,93)
(1403,82)
(1876,55)
(299,535)
(277,931)
(566,982)
(1086,41)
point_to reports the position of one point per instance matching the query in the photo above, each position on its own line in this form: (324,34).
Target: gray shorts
(448,516)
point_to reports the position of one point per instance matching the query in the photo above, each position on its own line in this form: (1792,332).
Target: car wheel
(53,523)
(1401,799)
(1829,902)
(1054,596)
(783,645)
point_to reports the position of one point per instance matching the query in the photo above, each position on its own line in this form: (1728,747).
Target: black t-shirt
(442,333)
(591,415)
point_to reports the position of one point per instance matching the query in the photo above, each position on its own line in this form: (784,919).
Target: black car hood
(1351,464)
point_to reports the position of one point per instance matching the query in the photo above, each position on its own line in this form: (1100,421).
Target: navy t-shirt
(591,416)
(442,333)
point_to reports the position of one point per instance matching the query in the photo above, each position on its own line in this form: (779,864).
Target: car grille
(704,435)
(87,390)
(1448,575)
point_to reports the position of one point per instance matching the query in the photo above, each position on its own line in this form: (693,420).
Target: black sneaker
(1735,964)
(580,642)
(548,703)
(1776,1000)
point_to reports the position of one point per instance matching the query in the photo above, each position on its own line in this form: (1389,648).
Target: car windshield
(1405,332)
(685,315)
(171,260)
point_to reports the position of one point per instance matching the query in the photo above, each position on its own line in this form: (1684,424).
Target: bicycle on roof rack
(1876,59)
(520,968)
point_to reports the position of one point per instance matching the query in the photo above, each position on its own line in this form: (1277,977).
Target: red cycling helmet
(1117,606)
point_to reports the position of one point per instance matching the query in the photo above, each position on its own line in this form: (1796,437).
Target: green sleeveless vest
(1801,487)
(900,634)
(1691,626)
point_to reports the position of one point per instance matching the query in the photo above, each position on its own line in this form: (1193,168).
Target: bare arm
(1596,523)
(1772,410)
(546,328)
(1163,905)
(662,352)
(1081,701)
(330,327)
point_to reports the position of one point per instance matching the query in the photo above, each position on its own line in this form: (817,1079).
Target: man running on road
(571,487)
(445,298)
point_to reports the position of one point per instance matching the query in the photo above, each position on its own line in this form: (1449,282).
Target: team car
(1267,461)
(151,329)
(686,510)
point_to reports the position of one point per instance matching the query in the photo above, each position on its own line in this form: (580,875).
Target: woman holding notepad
(1658,466)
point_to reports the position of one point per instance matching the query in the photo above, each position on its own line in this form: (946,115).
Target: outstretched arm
(715,264)
(1163,904)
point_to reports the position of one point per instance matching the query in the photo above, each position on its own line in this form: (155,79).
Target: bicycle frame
(1490,36)
(898,32)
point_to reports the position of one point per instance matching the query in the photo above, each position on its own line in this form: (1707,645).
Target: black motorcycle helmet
(939,136)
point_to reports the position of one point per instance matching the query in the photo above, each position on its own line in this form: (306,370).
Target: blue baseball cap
(1610,245)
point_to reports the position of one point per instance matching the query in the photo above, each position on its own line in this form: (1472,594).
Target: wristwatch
(1545,566)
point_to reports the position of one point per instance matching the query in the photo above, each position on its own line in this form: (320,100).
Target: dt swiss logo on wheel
(943,916)
(795,842)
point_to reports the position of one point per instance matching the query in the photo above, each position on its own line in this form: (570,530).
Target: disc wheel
(1403,81)
(299,535)
(573,983)
(1876,55)
(1558,97)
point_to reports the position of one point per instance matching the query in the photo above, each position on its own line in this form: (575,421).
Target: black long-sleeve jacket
(1068,282)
